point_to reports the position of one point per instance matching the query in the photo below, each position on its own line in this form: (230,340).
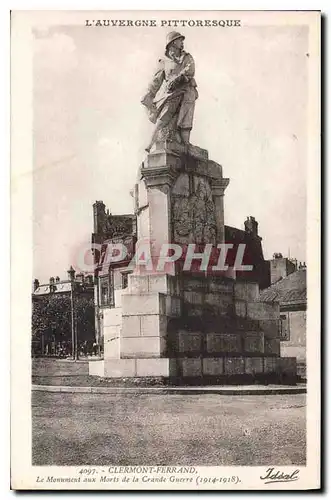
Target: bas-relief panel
(193,211)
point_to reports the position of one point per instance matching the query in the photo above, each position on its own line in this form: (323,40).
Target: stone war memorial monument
(174,319)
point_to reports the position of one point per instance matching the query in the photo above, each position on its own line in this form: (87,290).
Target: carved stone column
(218,187)
(158,182)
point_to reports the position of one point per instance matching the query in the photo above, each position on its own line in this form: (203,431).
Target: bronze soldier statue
(173,108)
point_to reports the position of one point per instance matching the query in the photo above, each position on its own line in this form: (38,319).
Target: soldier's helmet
(173,35)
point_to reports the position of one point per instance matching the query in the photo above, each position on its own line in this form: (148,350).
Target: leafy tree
(85,318)
(51,317)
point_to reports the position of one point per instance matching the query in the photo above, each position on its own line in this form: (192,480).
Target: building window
(284,327)
(125,279)
(104,291)
(107,290)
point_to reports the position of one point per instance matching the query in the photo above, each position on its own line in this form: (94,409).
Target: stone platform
(201,371)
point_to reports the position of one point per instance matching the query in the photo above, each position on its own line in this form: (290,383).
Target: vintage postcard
(165,250)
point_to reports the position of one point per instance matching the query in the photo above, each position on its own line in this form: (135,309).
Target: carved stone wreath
(193,217)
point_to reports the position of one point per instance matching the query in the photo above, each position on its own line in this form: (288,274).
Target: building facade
(290,291)
(110,276)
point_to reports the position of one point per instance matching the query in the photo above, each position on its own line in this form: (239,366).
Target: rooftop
(58,287)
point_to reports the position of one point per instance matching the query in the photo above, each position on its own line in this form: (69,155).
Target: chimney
(71,273)
(99,216)
(80,278)
(280,267)
(52,286)
(251,226)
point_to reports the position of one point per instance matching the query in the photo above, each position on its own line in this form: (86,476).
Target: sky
(90,130)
